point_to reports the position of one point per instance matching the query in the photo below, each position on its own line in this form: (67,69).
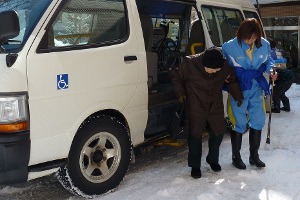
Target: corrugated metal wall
(280,11)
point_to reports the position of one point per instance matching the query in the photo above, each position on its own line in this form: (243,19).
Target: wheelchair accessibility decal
(62,81)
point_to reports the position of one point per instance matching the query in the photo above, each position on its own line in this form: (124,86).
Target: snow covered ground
(162,173)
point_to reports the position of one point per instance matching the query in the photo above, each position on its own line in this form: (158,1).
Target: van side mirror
(10,27)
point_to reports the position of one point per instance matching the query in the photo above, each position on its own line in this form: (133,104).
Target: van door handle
(130,58)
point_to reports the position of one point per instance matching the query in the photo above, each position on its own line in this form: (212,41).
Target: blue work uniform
(252,87)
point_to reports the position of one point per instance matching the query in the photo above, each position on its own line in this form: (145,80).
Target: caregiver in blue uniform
(249,54)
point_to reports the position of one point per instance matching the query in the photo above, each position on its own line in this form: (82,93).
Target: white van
(83,82)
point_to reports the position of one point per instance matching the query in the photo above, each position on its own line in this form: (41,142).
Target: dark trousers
(195,148)
(279,92)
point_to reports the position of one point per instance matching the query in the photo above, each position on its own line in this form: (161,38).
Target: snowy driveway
(162,173)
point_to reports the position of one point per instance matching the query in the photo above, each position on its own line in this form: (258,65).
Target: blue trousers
(253,103)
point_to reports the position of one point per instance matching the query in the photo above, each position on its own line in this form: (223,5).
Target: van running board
(47,165)
(169,141)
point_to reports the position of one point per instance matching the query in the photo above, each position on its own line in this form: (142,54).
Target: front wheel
(99,157)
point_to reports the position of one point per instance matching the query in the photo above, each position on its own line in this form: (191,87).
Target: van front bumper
(14,157)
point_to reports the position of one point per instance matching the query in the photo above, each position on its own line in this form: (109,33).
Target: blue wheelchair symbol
(62,81)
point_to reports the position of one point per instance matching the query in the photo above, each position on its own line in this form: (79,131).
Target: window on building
(88,22)
(285,32)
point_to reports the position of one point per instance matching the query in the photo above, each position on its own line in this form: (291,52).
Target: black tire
(98,159)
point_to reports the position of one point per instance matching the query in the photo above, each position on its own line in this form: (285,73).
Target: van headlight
(13,113)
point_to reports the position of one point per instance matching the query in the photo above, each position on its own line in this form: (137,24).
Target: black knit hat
(213,58)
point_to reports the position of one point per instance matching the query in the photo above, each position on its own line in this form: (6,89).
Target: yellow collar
(249,52)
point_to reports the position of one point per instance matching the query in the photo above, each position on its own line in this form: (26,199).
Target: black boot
(214,166)
(254,141)
(286,105)
(214,143)
(196,172)
(236,143)
(276,106)
(195,151)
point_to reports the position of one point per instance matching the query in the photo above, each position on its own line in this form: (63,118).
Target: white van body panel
(99,79)
(13,79)
(137,108)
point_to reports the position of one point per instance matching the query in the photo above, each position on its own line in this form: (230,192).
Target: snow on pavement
(169,177)
(162,173)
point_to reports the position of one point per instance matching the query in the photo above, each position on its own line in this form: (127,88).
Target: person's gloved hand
(273,74)
(182,99)
(239,102)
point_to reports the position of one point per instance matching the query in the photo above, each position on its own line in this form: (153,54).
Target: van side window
(250,14)
(222,23)
(211,22)
(89,22)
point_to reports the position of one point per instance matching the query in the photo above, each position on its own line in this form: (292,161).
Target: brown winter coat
(204,93)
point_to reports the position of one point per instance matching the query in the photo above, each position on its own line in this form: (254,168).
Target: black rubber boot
(236,143)
(276,106)
(254,141)
(196,172)
(286,105)
(214,143)
(216,167)
(195,151)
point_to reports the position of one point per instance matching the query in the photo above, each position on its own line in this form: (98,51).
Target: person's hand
(182,99)
(239,102)
(273,74)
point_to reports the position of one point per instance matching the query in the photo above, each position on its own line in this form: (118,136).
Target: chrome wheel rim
(100,157)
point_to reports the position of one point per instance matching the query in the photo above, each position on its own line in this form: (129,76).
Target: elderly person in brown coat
(199,80)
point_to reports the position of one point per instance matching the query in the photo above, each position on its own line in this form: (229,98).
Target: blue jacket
(250,74)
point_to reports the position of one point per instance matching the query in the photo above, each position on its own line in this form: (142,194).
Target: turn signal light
(15,127)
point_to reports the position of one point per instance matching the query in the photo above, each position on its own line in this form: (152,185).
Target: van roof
(242,3)
(163,7)
(170,1)
(178,7)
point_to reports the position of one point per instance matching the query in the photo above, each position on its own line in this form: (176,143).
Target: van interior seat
(152,57)
(227,31)
(196,37)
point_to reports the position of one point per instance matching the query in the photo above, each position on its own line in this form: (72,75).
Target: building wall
(280,11)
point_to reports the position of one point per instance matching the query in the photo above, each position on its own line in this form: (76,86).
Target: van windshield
(29,12)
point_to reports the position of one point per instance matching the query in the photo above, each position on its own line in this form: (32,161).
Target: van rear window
(222,23)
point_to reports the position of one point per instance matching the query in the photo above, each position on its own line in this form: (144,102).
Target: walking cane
(270,113)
